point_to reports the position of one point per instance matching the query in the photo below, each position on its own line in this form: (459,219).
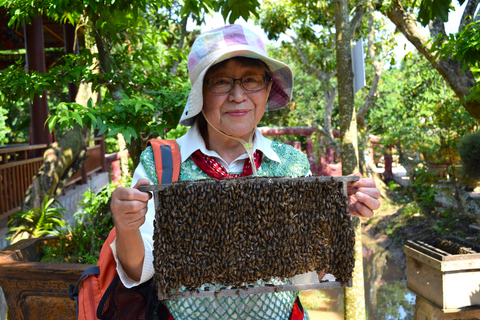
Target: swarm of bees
(238,231)
(453,247)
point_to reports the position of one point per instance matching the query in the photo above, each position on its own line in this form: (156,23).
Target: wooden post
(35,56)
(71,46)
(388,172)
(309,147)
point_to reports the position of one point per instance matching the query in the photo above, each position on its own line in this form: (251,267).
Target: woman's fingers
(363,197)
(129,206)
(360,210)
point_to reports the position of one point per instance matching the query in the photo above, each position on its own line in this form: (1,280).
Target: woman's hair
(244,62)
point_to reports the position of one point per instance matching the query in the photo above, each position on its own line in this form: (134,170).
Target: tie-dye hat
(214,46)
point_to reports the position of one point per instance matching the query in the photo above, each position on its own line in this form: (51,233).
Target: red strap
(297,312)
(156,145)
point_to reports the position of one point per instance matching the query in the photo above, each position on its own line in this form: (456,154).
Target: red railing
(324,161)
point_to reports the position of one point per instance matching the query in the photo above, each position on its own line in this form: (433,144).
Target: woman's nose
(237,93)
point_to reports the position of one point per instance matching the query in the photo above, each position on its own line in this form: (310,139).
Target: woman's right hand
(129,206)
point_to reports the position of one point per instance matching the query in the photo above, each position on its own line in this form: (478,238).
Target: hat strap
(247,145)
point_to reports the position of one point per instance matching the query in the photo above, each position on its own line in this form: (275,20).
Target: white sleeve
(147,232)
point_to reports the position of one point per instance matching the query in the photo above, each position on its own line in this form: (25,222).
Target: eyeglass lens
(225,84)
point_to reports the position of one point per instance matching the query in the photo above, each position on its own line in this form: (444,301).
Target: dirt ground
(391,227)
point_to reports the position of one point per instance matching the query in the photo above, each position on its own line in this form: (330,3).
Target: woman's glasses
(250,83)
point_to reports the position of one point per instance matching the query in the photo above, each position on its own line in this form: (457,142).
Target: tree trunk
(354,296)
(180,44)
(451,71)
(60,162)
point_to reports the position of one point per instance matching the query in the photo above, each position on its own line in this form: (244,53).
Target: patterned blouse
(260,306)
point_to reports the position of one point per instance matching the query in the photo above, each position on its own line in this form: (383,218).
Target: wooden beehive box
(240,231)
(451,282)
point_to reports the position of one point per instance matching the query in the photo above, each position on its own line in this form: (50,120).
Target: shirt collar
(193,141)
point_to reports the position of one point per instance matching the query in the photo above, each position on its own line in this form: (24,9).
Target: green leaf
(78,119)
(431,9)
(131,131)
(90,103)
(92,117)
(51,122)
(102,128)
(138,106)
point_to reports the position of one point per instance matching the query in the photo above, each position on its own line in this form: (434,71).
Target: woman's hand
(363,197)
(129,206)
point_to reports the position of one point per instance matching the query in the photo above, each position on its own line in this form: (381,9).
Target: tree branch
(437,27)
(312,67)
(356,21)
(377,67)
(468,14)
(180,44)
(329,138)
(326,130)
(451,71)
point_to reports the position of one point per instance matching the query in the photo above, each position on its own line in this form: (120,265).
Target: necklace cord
(247,145)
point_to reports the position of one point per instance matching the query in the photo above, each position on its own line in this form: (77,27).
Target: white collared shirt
(193,141)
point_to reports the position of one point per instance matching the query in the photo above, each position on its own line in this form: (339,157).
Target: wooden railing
(18,166)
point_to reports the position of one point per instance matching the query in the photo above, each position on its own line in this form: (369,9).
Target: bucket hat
(220,44)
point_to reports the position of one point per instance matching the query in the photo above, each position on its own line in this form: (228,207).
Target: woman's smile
(238,113)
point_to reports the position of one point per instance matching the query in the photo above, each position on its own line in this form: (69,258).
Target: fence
(323,160)
(18,166)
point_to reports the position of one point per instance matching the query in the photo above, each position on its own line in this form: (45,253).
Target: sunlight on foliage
(38,222)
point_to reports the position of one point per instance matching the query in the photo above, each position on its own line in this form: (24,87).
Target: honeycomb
(237,231)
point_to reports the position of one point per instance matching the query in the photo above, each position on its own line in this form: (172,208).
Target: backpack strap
(99,278)
(167,159)
(73,289)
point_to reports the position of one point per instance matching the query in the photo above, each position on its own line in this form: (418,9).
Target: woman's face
(237,112)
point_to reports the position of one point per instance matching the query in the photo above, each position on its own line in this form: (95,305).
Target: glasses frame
(266,80)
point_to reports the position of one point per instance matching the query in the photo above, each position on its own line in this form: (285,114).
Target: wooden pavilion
(41,42)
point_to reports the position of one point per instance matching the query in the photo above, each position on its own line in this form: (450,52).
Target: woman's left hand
(363,197)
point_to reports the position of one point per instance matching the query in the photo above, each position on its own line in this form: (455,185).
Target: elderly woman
(233,83)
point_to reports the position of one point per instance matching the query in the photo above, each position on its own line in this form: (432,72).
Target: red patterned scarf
(215,170)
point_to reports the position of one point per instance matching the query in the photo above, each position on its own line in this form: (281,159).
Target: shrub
(469,151)
(423,186)
(82,242)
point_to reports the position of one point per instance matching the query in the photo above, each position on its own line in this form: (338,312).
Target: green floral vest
(294,164)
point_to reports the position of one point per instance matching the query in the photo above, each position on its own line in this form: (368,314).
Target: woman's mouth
(237,113)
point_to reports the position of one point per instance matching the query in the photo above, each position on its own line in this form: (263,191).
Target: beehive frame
(224,208)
